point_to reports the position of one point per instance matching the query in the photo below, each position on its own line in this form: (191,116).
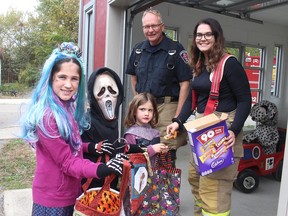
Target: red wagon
(256,163)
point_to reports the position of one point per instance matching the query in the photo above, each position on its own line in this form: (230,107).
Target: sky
(27,5)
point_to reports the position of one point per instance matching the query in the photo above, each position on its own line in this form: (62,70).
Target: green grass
(17,164)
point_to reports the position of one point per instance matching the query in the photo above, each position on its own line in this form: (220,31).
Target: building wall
(92,33)
(283,196)
(114,55)
(113,45)
(100,33)
(266,35)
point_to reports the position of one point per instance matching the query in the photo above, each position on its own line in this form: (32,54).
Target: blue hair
(45,102)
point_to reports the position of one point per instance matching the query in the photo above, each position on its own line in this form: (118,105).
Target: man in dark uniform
(159,66)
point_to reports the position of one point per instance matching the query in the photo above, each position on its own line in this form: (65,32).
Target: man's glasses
(207,36)
(154,27)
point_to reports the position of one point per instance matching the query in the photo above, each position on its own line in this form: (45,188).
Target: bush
(29,76)
(11,88)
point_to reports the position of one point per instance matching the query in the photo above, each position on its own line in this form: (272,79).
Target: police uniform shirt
(152,70)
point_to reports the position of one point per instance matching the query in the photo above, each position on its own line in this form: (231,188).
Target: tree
(58,22)
(10,40)
(28,38)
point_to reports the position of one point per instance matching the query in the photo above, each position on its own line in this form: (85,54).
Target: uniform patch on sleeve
(184,55)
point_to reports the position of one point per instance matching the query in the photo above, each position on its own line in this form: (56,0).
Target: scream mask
(106,92)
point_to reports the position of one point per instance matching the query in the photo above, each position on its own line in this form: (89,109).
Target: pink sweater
(58,174)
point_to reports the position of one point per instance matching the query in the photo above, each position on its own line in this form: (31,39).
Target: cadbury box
(207,136)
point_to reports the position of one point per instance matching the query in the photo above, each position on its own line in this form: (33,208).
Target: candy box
(207,140)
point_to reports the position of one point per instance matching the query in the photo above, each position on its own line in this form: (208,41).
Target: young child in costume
(105,95)
(52,125)
(141,119)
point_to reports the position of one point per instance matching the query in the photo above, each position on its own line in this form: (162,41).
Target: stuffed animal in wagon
(265,113)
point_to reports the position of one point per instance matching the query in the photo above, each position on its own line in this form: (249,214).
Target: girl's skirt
(39,210)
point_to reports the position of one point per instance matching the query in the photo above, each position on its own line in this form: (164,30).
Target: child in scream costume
(52,125)
(105,95)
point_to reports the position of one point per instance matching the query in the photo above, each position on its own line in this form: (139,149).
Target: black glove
(103,171)
(100,148)
(134,148)
(114,165)
(121,146)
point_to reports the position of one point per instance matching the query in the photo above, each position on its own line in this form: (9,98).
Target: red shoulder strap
(194,99)
(212,102)
(214,92)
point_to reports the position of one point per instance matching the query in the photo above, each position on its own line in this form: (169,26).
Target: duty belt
(166,99)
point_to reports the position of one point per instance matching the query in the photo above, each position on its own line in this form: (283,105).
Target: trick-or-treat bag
(103,201)
(138,182)
(162,196)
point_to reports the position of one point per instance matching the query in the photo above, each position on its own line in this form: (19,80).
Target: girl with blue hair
(52,125)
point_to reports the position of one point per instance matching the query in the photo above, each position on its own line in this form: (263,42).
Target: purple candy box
(207,136)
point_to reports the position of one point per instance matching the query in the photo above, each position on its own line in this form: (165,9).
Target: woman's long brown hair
(216,52)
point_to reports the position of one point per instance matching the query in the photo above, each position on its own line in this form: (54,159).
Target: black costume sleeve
(186,110)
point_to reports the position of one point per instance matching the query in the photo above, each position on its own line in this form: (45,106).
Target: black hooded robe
(101,128)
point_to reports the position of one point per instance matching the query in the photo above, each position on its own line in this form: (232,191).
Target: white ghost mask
(106,93)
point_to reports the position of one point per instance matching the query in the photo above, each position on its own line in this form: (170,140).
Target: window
(172,33)
(254,67)
(251,59)
(275,83)
(234,51)
(88,35)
